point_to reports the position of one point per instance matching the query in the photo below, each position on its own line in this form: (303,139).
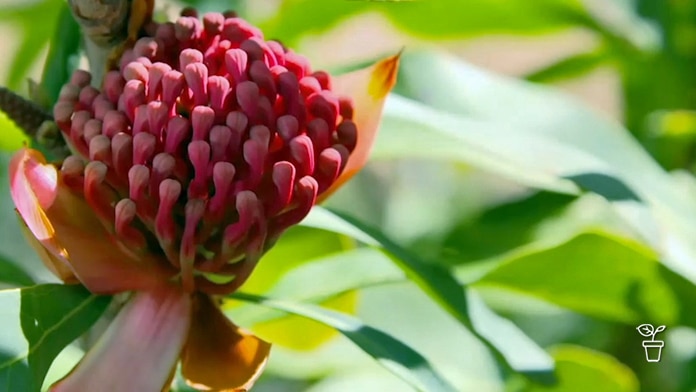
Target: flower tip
(384,76)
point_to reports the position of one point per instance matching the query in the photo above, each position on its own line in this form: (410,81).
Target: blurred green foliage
(504,236)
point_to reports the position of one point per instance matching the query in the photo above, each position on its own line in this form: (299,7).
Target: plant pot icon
(653,350)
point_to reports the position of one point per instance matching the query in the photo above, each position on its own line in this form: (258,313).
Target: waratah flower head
(189,162)
(205,145)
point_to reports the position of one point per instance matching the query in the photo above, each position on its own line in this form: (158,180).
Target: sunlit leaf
(301,334)
(580,369)
(331,276)
(62,365)
(38,322)
(499,124)
(433,19)
(335,279)
(529,159)
(391,353)
(297,247)
(600,275)
(11,137)
(37,22)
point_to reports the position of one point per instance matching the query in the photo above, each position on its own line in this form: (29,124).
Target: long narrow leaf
(398,358)
(63,47)
(569,67)
(440,285)
(332,276)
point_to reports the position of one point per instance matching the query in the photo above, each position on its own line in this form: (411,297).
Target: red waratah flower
(188,164)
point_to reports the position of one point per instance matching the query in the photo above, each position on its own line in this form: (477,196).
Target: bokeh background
(542,152)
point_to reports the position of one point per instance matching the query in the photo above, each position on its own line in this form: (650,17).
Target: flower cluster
(188,164)
(205,145)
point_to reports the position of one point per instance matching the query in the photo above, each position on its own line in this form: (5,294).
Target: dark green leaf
(573,66)
(10,273)
(502,228)
(391,353)
(612,188)
(61,59)
(38,322)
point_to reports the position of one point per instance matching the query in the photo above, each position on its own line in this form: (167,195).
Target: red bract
(188,165)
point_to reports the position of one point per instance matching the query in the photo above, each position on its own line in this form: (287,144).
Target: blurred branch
(34,121)
(104,25)
(26,114)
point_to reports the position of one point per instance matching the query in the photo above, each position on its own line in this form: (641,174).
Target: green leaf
(10,273)
(389,352)
(331,276)
(336,278)
(541,138)
(570,67)
(521,352)
(580,370)
(601,275)
(671,136)
(503,228)
(62,55)
(38,322)
(296,248)
(494,147)
(432,19)
(37,22)
(203,6)
(441,286)
(537,222)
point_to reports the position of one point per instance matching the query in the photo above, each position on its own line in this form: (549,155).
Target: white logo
(653,348)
